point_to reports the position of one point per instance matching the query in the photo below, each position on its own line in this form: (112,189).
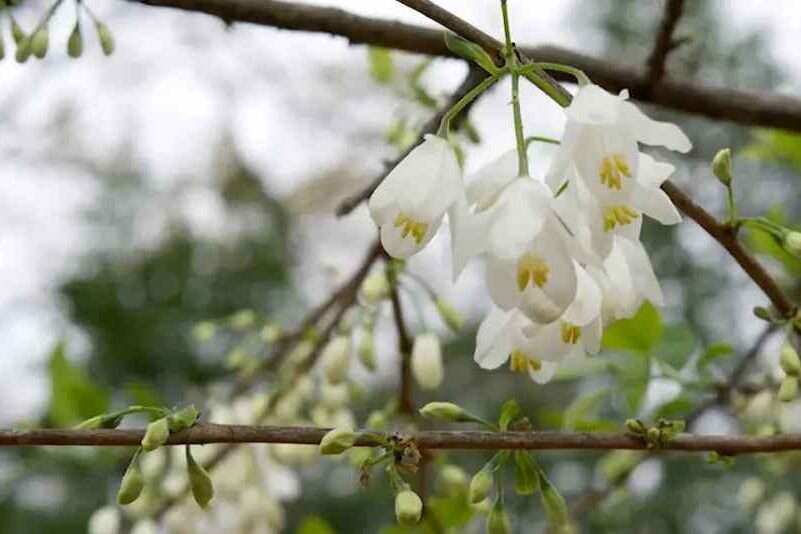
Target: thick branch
(433,439)
(769,110)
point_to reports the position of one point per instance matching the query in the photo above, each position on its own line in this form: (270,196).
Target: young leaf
(315,525)
(638,335)
(527,478)
(470,51)
(73,397)
(510,410)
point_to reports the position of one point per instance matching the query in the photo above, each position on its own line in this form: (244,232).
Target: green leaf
(675,408)
(315,525)
(714,352)
(633,378)
(470,51)
(527,478)
(144,394)
(510,410)
(676,345)
(580,408)
(73,397)
(775,145)
(382,67)
(638,334)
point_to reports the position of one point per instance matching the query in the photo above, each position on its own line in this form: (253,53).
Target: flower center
(613,168)
(614,215)
(531,268)
(411,227)
(570,333)
(520,362)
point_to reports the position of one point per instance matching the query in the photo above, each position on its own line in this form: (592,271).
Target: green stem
(512,61)
(445,124)
(542,139)
(732,205)
(578,74)
(537,76)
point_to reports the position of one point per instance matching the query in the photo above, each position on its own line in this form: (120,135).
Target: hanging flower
(410,203)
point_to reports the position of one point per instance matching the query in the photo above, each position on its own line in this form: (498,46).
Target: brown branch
(664,42)
(770,110)
(206,433)
(406,383)
(474,76)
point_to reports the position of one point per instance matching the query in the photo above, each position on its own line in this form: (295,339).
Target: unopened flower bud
(449,315)
(184,418)
(792,243)
(2,48)
(635,426)
(653,436)
(104,520)
(23,50)
(338,440)
(145,526)
(243,319)
(751,492)
(105,37)
(131,485)
(447,411)
(334,396)
(377,420)
(39,42)
(788,389)
(408,508)
(498,520)
(366,351)
(204,330)
(199,481)
(17,32)
(427,361)
(375,287)
(335,359)
(452,479)
(102,421)
(156,435)
(721,166)
(789,360)
(75,42)
(480,486)
(763,313)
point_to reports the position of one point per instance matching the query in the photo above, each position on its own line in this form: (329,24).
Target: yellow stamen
(520,362)
(618,215)
(613,168)
(570,333)
(531,267)
(417,229)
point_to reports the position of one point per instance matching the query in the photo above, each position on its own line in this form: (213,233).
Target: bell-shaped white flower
(410,203)
(600,140)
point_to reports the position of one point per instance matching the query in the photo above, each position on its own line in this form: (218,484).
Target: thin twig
(664,42)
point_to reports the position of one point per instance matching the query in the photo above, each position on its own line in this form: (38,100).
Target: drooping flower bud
(447,411)
(23,50)
(788,389)
(375,287)
(498,520)
(377,420)
(75,42)
(145,526)
(102,421)
(104,520)
(333,396)
(199,481)
(366,350)
(335,359)
(105,37)
(40,42)
(480,486)
(751,492)
(184,418)
(408,508)
(156,435)
(449,315)
(792,243)
(427,361)
(131,485)
(17,32)
(453,480)
(789,360)
(2,48)
(338,440)
(721,166)
(635,426)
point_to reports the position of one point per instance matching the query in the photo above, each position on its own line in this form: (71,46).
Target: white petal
(443,181)
(645,280)
(591,336)
(586,307)
(403,247)
(653,132)
(545,373)
(656,204)
(486,183)
(651,172)
(518,217)
(546,343)
(593,105)
(563,159)
(493,340)
(469,234)
(502,282)
(549,302)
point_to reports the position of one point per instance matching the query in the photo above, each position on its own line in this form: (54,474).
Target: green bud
(199,481)
(480,486)
(554,504)
(375,287)
(243,319)
(17,32)
(721,166)
(338,440)
(408,508)
(653,436)
(102,421)
(635,426)
(23,50)
(204,330)
(789,360)
(447,411)
(156,435)
(449,315)
(377,420)
(335,359)
(498,520)
(131,485)
(788,389)
(366,351)
(75,42)
(470,51)
(184,418)
(2,48)
(39,43)
(452,479)
(792,243)
(763,313)
(105,37)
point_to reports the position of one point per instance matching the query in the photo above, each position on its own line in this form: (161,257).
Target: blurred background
(193,175)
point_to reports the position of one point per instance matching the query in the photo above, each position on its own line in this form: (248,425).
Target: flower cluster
(562,252)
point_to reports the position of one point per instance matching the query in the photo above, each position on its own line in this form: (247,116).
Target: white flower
(409,204)
(145,526)
(427,361)
(105,520)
